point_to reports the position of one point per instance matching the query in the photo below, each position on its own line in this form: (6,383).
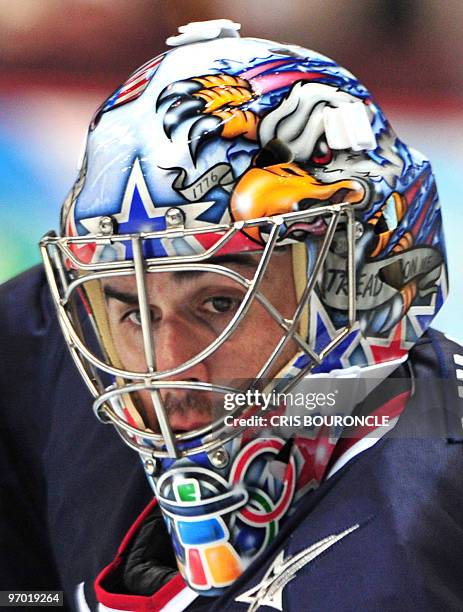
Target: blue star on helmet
(139,214)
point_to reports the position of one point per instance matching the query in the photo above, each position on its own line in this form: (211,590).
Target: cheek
(128,343)
(144,405)
(246,352)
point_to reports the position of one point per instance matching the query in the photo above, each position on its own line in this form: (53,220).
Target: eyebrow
(121,296)
(245,260)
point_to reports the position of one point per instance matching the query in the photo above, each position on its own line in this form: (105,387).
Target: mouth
(181,428)
(341,195)
(300,229)
(318,226)
(183,420)
(183,423)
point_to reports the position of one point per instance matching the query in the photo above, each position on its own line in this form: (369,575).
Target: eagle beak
(284,188)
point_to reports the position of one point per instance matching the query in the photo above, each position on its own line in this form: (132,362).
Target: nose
(176,341)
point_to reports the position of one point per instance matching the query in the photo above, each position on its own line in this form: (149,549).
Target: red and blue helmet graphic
(248,128)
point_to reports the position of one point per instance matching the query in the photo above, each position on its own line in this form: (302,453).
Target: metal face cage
(66,274)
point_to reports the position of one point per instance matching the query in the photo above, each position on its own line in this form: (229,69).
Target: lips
(185,410)
(189,422)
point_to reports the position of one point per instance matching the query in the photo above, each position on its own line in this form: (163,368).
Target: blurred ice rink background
(60,58)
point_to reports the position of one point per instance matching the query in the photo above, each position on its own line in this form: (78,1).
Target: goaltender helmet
(222,147)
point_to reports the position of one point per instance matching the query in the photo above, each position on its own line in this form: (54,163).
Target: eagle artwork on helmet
(223,147)
(291,108)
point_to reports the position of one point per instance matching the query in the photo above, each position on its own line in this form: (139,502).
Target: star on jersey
(269,592)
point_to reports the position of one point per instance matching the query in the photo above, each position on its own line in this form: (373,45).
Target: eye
(134,317)
(321,154)
(220,304)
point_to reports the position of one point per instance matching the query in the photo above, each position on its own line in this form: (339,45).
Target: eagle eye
(321,154)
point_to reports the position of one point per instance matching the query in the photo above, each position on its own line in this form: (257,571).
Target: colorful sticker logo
(219,525)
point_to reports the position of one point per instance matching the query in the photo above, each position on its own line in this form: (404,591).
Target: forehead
(245,265)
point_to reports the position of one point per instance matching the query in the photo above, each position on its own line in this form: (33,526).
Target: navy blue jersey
(384,533)
(69,487)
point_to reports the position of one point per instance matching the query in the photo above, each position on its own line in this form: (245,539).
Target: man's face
(188,311)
